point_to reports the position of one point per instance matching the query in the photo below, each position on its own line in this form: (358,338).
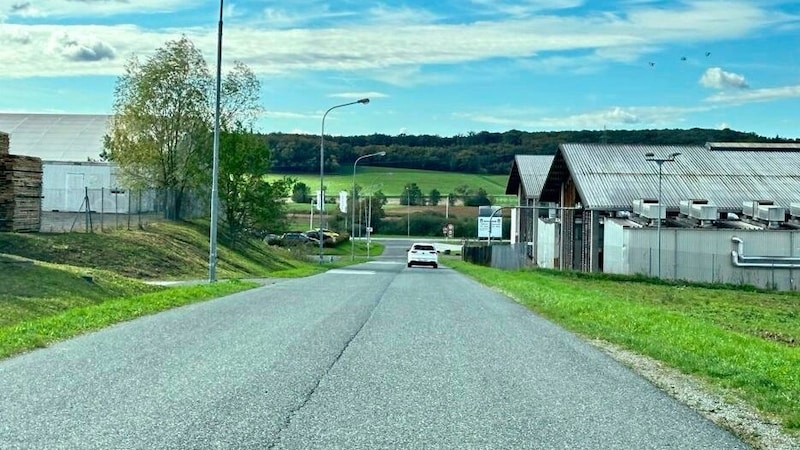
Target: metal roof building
(609,177)
(596,185)
(528,174)
(56,137)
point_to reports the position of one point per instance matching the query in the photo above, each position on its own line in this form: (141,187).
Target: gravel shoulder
(762,433)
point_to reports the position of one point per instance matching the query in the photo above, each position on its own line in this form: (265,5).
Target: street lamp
(212,252)
(660,161)
(408,212)
(353,224)
(363,101)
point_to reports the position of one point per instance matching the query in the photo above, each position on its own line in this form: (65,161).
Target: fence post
(102,208)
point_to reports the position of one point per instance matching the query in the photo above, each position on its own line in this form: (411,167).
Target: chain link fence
(92,210)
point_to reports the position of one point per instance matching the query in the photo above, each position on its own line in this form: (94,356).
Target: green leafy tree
(301,193)
(161,120)
(249,201)
(477,198)
(412,195)
(375,212)
(434,197)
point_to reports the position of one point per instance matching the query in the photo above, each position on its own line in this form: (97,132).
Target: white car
(423,254)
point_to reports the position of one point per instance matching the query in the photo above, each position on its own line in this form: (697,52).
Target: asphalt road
(373,356)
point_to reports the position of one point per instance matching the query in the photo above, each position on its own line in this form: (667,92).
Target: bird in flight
(708,53)
(652,63)
(683,58)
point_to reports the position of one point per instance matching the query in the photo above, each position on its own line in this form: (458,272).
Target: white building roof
(56,137)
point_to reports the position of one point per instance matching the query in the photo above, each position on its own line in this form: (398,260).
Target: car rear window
(424,247)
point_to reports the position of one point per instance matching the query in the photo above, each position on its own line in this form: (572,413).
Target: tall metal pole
(369,223)
(212,254)
(660,162)
(408,212)
(322,169)
(660,208)
(353,224)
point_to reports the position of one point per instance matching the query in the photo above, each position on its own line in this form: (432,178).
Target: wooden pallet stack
(3,143)
(20,190)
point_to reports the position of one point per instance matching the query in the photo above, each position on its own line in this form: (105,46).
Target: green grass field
(393,181)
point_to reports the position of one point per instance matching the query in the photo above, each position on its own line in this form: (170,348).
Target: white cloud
(622,117)
(397,56)
(78,8)
(357,95)
(524,7)
(717,78)
(284,18)
(288,115)
(756,95)
(383,15)
(84,48)
(12,36)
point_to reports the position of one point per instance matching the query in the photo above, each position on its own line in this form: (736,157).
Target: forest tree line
(482,153)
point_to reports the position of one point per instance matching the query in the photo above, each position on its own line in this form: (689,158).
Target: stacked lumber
(3,143)
(20,190)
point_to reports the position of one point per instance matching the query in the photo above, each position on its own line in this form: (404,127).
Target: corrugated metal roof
(751,146)
(56,137)
(531,171)
(610,176)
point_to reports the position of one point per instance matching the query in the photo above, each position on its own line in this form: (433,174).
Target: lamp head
(649,155)
(382,153)
(674,155)
(363,101)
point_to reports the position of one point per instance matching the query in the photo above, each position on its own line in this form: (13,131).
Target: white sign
(343,201)
(484,226)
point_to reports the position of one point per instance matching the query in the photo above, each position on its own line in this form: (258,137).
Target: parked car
(272,239)
(329,237)
(296,238)
(423,254)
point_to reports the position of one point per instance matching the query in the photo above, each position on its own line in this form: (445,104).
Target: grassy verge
(161,251)
(743,342)
(56,286)
(70,303)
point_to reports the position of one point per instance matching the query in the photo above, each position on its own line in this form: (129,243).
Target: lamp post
(408,212)
(363,101)
(353,224)
(660,161)
(212,252)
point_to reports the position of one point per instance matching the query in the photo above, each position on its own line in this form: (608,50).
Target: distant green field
(392,181)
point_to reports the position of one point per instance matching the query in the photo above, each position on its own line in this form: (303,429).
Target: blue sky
(445,68)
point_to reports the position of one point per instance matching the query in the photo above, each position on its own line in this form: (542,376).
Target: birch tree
(161,123)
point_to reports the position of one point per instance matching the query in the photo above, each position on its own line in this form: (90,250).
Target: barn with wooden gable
(722,212)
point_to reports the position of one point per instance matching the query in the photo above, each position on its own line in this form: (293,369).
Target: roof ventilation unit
(765,211)
(649,208)
(699,209)
(794,210)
